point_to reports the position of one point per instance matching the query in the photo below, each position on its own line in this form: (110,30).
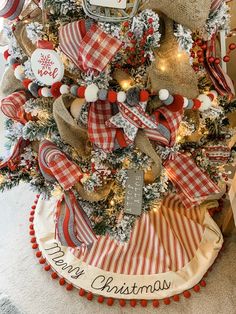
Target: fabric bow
(87,45)
(10,161)
(12,106)
(73,228)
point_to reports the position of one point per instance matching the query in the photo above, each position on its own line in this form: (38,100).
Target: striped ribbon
(221,81)
(10,161)
(11,9)
(12,106)
(215,4)
(73,228)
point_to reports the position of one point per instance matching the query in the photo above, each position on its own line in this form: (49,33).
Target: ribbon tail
(20,145)
(73,228)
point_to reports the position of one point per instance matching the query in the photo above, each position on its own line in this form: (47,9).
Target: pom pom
(112,96)
(186,102)
(122,303)
(214,93)
(81,91)
(121,97)
(164,94)
(176,298)
(100,299)
(143,303)
(196,288)
(110,301)
(133,303)
(187,294)
(167,301)
(54,275)
(26,83)
(55,89)
(155,303)
(81,292)
(64,89)
(69,287)
(144,96)
(196,104)
(102,94)
(15,65)
(33,88)
(19,72)
(91,93)
(73,90)
(45,92)
(62,282)
(177,103)
(133,96)
(90,296)
(47,267)
(205,102)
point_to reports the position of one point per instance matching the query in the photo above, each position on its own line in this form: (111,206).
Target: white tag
(134,192)
(116,4)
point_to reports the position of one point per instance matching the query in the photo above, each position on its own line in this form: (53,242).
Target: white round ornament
(19,72)
(91,93)
(76,106)
(47,66)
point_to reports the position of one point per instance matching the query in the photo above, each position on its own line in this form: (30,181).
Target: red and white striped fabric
(217,154)
(88,49)
(64,170)
(171,120)
(10,161)
(221,81)
(215,4)
(189,179)
(12,106)
(176,233)
(11,9)
(99,134)
(73,227)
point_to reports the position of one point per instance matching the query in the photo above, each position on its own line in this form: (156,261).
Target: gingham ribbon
(10,161)
(12,106)
(88,49)
(189,179)
(11,9)
(221,81)
(171,122)
(98,132)
(72,224)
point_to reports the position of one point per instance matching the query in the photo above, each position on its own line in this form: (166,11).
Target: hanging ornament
(46,64)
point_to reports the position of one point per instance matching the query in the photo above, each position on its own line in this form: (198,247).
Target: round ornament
(47,66)
(76,107)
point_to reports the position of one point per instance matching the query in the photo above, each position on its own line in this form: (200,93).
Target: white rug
(32,291)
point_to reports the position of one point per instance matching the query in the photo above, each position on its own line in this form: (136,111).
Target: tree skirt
(169,252)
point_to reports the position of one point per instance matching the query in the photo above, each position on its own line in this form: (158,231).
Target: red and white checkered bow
(194,185)
(99,134)
(12,106)
(88,49)
(221,81)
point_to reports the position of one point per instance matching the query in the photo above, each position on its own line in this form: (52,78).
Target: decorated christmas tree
(120,115)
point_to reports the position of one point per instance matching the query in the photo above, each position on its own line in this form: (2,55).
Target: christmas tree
(120,115)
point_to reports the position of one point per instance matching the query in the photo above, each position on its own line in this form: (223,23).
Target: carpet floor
(26,288)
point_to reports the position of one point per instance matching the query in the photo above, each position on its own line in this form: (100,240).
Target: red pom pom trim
(187,294)
(112,96)
(177,104)
(26,83)
(167,301)
(110,301)
(144,96)
(100,299)
(155,303)
(81,91)
(82,292)
(55,89)
(90,296)
(122,303)
(62,282)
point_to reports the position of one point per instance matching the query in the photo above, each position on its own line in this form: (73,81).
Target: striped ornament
(12,106)
(175,234)
(11,9)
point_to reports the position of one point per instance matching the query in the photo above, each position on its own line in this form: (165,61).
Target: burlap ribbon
(70,131)
(190,13)
(169,72)
(9,84)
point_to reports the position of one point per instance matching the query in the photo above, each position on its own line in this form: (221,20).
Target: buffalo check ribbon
(73,228)
(195,186)
(17,150)
(88,48)
(99,134)
(12,106)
